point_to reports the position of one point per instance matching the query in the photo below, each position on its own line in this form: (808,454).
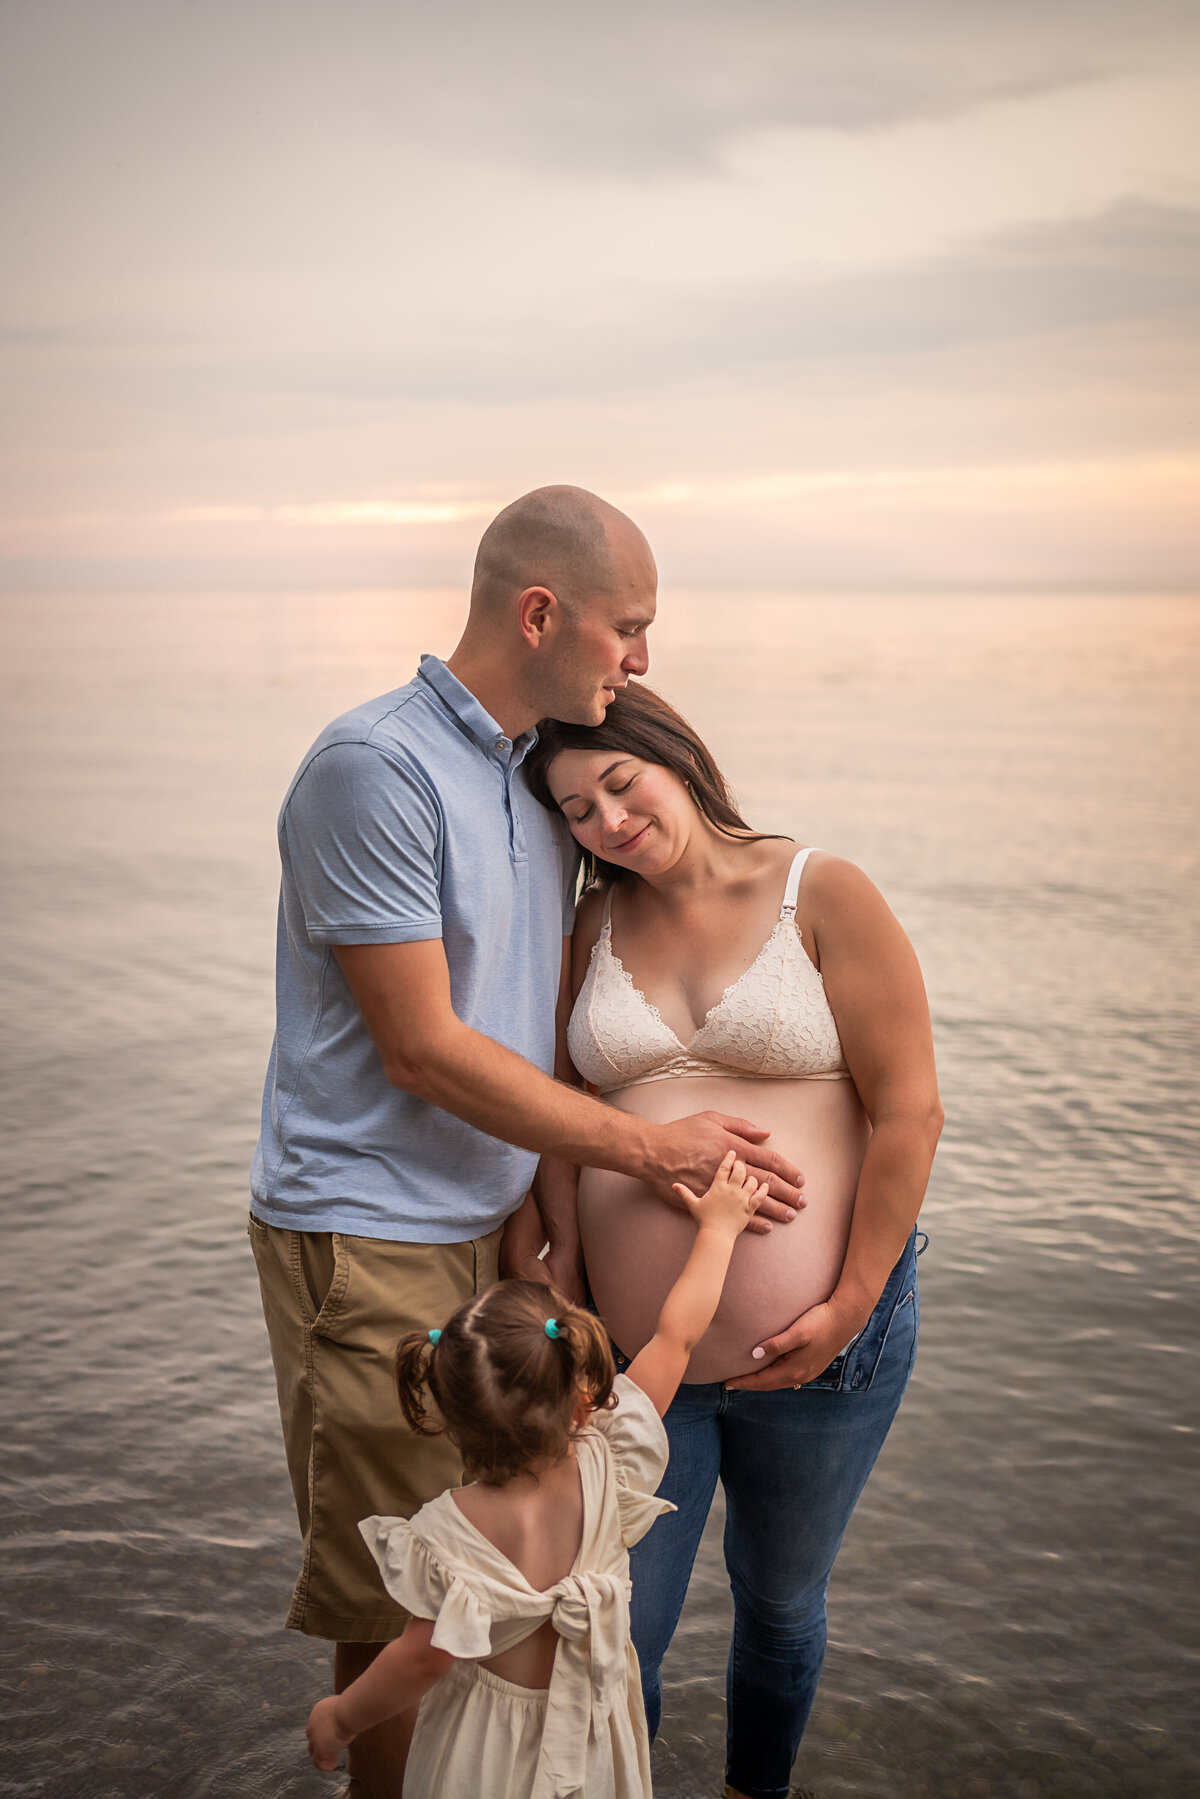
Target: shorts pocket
(321,1272)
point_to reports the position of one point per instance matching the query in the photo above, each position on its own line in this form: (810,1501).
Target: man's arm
(403,993)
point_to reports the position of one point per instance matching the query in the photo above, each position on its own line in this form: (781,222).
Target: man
(424,901)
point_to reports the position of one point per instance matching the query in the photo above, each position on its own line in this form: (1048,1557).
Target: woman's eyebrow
(602,776)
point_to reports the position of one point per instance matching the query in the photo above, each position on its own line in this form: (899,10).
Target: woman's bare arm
(877,997)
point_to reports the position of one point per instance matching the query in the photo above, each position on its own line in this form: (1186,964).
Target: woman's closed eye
(581,818)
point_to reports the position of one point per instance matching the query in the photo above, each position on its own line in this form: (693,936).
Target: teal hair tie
(434,1336)
(551,1327)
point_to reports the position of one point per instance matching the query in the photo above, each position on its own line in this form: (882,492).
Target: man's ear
(538,613)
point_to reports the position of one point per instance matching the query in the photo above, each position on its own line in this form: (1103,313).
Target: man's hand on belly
(691,1150)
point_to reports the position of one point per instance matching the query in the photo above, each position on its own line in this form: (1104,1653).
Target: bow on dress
(591,1616)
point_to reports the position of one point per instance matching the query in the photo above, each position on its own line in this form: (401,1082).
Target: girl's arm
(397,1680)
(721,1214)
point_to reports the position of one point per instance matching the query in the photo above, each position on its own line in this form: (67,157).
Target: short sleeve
(422,1583)
(363,833)
(638,1445)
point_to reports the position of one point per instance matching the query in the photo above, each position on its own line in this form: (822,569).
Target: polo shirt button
(502,743)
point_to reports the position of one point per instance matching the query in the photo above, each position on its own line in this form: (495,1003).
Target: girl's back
(537,1525)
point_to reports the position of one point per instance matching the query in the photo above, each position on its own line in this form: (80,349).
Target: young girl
(518,1585)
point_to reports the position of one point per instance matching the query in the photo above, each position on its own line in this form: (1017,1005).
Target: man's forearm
(497,1091)
(403,993)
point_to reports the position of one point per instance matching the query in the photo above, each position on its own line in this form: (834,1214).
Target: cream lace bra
(773,1023)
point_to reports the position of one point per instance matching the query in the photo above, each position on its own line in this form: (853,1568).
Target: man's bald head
(564,592)
(561,538)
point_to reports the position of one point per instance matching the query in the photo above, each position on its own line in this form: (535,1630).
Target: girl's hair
(641,723)
(506,1391)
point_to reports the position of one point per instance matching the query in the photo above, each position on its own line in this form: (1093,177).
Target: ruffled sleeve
(637,1443)
(424,1585)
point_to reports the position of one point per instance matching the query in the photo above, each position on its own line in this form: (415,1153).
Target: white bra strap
(606,915)
(788,910)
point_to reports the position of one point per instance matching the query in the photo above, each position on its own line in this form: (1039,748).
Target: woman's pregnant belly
(635,1244)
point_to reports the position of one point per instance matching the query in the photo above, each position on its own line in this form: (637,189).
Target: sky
(877,294)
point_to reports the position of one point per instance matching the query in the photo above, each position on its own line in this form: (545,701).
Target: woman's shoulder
(822,871)
(828,876)
(840,909)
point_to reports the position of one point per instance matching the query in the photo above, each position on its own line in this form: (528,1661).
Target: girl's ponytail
(582,1338)
(414,1353)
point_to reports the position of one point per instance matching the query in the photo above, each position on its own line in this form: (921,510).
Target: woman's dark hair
(506,1391)
(641,723)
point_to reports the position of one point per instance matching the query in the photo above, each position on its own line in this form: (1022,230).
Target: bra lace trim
(785,1028)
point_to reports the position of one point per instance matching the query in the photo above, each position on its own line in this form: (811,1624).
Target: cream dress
(585,1734)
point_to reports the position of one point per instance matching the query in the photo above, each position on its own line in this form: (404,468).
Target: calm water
(1012,1612)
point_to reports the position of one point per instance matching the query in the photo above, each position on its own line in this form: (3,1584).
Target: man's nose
(637,659)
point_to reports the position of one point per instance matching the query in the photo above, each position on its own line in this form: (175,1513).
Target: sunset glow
(920,306)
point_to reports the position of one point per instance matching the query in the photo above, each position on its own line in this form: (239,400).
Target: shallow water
(1012,1612)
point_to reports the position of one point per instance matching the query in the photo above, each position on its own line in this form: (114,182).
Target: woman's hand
(562,1266)
(556,1188)
(325,1740)
(521,1256)
(803,1350)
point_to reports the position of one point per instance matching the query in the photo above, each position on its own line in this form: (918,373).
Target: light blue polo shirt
(410,818)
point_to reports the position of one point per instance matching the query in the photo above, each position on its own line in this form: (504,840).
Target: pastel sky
(889,294)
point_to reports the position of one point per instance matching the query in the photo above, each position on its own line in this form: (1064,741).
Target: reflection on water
(1011,1612)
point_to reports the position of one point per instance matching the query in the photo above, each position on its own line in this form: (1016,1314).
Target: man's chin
(596,713)
(586,712)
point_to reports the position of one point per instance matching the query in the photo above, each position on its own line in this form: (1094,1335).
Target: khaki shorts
(335,1308)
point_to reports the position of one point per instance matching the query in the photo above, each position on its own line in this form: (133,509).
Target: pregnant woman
(719,967)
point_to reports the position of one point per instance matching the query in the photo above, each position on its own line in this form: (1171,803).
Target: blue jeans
(792,1464)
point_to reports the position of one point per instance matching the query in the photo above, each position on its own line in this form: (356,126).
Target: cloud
(625,89)
(291,260)
(1133,264)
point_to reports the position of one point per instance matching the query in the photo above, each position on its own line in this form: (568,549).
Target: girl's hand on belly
(691,1150)
(799,1353)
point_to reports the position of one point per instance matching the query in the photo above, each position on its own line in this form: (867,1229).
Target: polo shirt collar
(467,710)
